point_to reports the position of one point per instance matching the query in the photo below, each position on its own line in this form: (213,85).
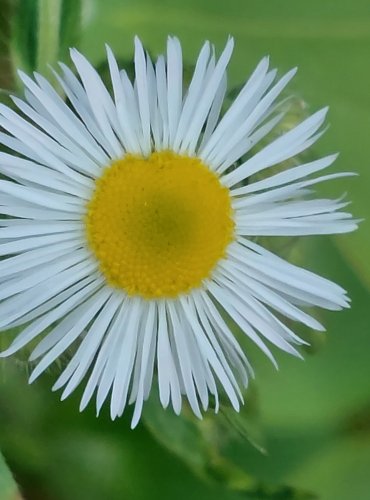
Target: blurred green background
(305,430)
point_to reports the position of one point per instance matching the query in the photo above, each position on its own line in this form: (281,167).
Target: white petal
(295,281)
(291,174)
(105,360)
(146,368)
(41,197)
(160,71)
(15,308)
(264,294)
(75,92)
(126,358)
(192,136)
(174,85)
(191,308)
(71,328)
(56,108)
(87,164)
(34,329)
(39,274)
(193,95)
(291,143)
(129,136)
(183,356)
(27,260)
(36,242)
(143,96)
(100,102)
(168,380)
(84,356)
(247,143)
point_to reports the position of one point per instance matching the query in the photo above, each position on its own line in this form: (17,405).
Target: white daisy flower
(128,228)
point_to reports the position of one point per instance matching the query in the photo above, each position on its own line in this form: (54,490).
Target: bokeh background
(305,430)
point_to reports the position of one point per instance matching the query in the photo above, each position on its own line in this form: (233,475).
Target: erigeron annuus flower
(129,224)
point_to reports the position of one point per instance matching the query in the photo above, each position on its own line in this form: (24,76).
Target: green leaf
(340,471)
(43,31)
(179,434)
(8,487)
(207,445)
(6,64)
(48,30)
(70,27)
(247,426)
(198,442)
(24,35)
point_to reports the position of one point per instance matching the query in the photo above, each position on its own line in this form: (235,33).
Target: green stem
(49,14)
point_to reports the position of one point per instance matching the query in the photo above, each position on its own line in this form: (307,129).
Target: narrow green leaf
(70,27)
(24,35)
(42,31)
(49,14)
(204,445)
(8,487)
(246,426)
(6,66)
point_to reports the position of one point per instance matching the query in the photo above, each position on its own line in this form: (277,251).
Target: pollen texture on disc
(158,225)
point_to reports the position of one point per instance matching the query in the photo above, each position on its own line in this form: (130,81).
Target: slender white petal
(60,112)
(203,327)
(75,92)
(18,307)
(143,96)
(87,164)
(100,101)
(27,260)
(126,358)
(41,197)
(242,147)
(32,174)
(36,328)
(39,274)
(183,356)
(83,358)
(160,71)
(14,247)
(144,362)
(191,138)
(168,378)
(129,136)
(291,143)
(174,85)
(71,328)
(108,349)
(291,174)
(193,95)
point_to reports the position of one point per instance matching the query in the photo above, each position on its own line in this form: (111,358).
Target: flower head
(130,221)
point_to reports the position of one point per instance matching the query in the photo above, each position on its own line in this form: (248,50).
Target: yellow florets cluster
(158,225)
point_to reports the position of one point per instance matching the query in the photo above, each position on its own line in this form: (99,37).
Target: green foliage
(42,32)
(24,35)
(70,27)
(59,454)
(6,64)
(201,443)
(8,487)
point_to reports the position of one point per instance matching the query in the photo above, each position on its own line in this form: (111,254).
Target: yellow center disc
(158,225)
